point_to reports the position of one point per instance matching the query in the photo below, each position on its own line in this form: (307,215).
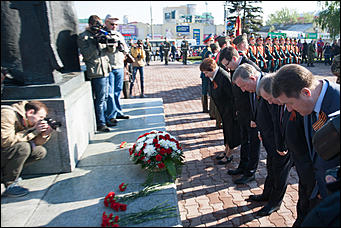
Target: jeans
(115,86)
(100,91)
(134,77)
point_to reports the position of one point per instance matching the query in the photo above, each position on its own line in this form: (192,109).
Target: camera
(106,37)
(53,124)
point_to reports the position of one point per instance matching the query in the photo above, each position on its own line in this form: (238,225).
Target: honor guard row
(272,54)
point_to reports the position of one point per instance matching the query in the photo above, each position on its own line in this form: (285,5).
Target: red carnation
(169,151)
(162,151)
(157,146)
(123,207)
(155,141)
(115,206)
(158,157)
(161,165)
(116,219)
(122,187)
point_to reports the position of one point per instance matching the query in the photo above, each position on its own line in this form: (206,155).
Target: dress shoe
(220,156)
(235,171)
(143,96)
(226,161)
(113,120)
(258,198)
(122,117)
(103,128)
(267,210)
(244,179)
(110,124)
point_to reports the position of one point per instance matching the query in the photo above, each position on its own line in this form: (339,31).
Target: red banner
(238,26)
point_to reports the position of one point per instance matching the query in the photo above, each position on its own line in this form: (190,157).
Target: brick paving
(206,194)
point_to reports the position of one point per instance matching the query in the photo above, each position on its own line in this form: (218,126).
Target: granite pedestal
(69,102)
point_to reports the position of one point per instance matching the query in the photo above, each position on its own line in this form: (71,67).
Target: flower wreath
(157,151)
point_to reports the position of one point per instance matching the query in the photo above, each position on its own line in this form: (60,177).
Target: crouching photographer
(23,132)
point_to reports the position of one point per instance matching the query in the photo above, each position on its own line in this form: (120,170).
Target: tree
(249,13)
(329,17)
(283,16)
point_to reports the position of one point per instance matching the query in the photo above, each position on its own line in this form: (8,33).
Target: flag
(238,26)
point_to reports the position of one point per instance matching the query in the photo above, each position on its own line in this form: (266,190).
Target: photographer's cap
(110,18)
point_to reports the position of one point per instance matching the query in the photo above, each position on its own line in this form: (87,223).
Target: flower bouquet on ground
(157,151)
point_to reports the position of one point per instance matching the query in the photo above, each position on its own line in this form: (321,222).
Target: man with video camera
(94,46)
(116,55)
(23,132)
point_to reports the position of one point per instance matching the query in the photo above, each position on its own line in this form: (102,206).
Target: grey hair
(265,83)
(244,71)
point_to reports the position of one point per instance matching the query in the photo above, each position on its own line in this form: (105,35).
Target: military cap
(208,38)
(240,39)
(287,39)
(282,38)
(268,38)
(259,38)
(275,38)
(214,46)
(252,37)
(139,42)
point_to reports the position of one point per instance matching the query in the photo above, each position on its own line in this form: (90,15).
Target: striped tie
(322,119)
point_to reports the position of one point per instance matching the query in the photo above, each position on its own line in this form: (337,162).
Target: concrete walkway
(205,192)
(76,198)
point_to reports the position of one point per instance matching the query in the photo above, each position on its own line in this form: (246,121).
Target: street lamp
(225,19)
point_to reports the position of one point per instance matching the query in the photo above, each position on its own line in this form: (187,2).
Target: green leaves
(171,168)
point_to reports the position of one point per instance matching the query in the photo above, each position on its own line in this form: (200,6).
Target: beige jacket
(14,126)
(136,52)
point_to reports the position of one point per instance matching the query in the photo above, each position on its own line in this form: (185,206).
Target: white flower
(164,143)
(151,136)
(140,140)
(149,141)
(149,150)
(173,145)
(139,146)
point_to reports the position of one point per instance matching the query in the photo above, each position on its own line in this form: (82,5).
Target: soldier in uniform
(184,50)
(204,80)
(311,53)
(268,52)
(296,51)
(282,52)
(241,44)
(261,55)
(287,51)
(148,49)
(253,50)
(166,49)
(275,52)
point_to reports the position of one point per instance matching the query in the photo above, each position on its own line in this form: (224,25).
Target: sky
(140,10)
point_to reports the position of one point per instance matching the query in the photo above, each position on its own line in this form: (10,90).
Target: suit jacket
(242,99)
(224,100)
(330,104)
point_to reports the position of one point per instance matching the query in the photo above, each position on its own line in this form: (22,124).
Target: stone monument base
(75,110)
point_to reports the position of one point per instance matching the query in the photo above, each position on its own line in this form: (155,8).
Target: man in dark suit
(250,143)
(314,99)
(292,133)
(221,93)
(265,117)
